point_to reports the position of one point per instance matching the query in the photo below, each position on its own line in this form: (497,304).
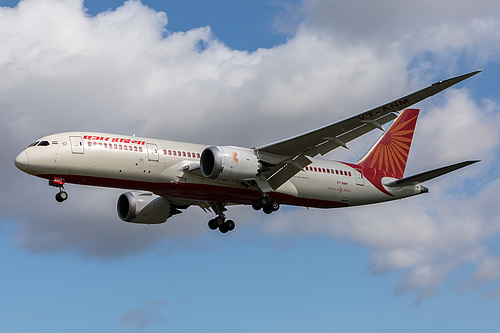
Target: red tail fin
(390,153)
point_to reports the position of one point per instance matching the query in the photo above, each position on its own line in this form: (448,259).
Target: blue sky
(231,72)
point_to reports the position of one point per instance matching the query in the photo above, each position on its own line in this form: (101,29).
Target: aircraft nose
(22,161)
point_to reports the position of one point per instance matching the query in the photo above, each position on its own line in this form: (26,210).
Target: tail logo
(390,153)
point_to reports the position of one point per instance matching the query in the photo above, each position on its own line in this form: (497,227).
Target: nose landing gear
(61,196)
(59,183)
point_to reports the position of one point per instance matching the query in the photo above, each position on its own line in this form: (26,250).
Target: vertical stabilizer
(390,152)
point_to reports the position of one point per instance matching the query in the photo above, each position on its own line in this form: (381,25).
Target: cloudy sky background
(225,72)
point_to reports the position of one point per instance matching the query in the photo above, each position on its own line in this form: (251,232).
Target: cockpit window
(39,143)
(33,144)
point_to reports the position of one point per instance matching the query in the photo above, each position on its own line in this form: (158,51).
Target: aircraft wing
(287,157)
(327,138)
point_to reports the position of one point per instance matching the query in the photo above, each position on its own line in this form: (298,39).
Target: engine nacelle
(143,207)
(229,163)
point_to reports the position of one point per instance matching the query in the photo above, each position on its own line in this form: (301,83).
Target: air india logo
(235,158)
(391,152)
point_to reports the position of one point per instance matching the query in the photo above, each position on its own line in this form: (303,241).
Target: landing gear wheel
(223,228)
(267,209)
(61,196)
(256,204)
(219,220)
(212,224)
(264,201)
(274,205)
(229,225)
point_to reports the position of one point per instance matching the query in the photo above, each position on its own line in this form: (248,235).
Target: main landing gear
(220,222)
(59,183)
(266,204)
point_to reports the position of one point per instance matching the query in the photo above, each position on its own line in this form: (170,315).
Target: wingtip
(475,72)
(458,79)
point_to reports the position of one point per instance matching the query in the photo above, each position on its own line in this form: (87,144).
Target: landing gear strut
(59,183)
(266,204)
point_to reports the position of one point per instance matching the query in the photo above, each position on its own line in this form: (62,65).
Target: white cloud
(123,71)
(461,128)
(388,20)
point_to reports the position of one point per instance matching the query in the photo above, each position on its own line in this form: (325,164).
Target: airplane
(165,177)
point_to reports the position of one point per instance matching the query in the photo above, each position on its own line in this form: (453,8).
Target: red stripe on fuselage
(197,192)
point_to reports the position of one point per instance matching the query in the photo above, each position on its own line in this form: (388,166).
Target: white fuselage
(171,169)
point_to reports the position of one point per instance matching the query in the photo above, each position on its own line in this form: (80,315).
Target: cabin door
(153,154)
(76,144)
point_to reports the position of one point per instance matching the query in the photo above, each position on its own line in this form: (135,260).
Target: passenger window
(175,153)
(198,155)
(135,148)
(189,154)
(184,153)
(140,149)
(170,152)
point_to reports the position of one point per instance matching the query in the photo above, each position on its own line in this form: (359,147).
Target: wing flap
(288,171)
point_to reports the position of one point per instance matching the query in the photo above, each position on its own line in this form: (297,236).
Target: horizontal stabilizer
(428,175)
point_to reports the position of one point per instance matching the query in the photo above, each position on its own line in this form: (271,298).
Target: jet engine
(229,163)
(144,208)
